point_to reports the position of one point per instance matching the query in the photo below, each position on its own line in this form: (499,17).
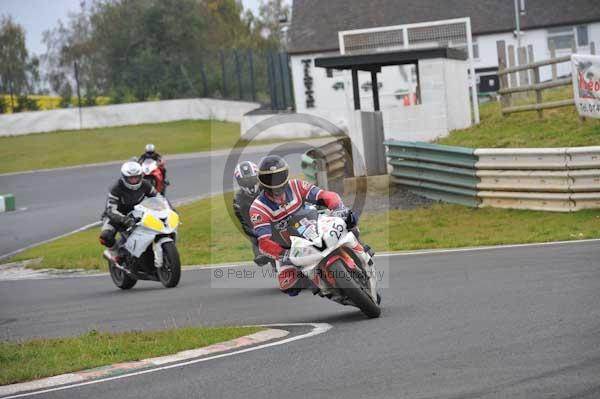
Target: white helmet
(131,175)
(150,148)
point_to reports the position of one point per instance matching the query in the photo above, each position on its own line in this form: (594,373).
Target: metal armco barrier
(549,179)
(442,173)
(328,165)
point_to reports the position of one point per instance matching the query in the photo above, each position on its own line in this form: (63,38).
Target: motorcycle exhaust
(114,262)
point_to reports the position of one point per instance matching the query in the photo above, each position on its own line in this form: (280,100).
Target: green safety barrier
(309,168)
(439,172)
(7,202)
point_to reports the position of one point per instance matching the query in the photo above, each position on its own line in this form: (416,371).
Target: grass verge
(560,127)
(39,358)
(77,147)
(209,236)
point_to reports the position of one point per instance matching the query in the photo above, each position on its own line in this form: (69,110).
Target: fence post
(252,83)
(223,75)
(523,75)
(239,74)
(281,60)
(204,80)
(553,55)
(573,51)
(530,60)
(512,63)
(501,48)
(76,70)
(592,48)
(538,93)
(272,84)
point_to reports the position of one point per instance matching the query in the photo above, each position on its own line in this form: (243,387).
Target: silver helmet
(150,148)
(246,175)
(131,175)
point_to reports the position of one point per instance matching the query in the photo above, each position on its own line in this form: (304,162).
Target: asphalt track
(55,202)
(519,322)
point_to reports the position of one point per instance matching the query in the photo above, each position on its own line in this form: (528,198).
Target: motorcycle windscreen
(155,203)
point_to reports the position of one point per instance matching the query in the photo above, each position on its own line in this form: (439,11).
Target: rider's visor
(134,179)
(274,179)
(249,181)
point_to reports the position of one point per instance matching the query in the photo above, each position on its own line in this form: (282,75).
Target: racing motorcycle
(323,248)
(147,251)
(154,175)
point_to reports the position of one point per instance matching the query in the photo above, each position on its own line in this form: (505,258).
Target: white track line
(486,248)
(318,328)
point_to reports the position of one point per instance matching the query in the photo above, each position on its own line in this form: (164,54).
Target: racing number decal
(337,231)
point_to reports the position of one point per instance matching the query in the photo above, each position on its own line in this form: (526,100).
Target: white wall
(424,121)
(124,114)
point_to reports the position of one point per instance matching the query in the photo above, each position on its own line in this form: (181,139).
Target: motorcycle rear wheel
(170,273)
(353,290)
(120,278)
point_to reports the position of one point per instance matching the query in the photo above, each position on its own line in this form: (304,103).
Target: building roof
(316,23)
(374,62)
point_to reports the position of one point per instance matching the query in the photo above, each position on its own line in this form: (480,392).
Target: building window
(476,50)
(582,35)
(561,38)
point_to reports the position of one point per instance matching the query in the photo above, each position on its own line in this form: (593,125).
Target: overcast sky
(36,16)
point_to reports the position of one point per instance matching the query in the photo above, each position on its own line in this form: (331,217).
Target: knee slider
(107,238)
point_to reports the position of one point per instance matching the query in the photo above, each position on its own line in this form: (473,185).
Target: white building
(316,23)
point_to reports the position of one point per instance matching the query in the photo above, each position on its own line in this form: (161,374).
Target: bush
(3,105)
(65,102)
(25,103)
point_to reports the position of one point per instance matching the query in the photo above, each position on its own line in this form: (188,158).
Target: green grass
(67,148)
(560,127)
(39,358)
(454,226)
(208,235)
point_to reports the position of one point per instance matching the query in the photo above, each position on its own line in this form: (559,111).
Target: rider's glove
(129,222)
(348,216)
(341,213)
(351,220)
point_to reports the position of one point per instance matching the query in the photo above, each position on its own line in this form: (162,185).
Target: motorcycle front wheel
(120,278)
(170,272)
(353,290)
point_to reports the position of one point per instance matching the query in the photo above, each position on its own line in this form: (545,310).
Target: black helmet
(246,175)
(273,174)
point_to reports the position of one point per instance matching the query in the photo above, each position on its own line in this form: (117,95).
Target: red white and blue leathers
(269,215)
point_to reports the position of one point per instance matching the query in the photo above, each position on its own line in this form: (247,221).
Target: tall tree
(68,45)
(272,15)
(13,59)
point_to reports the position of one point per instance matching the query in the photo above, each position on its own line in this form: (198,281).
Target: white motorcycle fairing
(156,217)
(329,233)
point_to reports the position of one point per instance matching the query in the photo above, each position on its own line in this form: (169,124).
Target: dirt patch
(396,198)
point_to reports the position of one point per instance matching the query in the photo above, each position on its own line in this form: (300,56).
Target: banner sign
(586,84)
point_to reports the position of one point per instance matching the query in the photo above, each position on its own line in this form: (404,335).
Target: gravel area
(397,198)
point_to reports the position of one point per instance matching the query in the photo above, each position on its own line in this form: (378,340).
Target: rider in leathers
(246,176)
(151,153)
(124,195)
(270,211)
